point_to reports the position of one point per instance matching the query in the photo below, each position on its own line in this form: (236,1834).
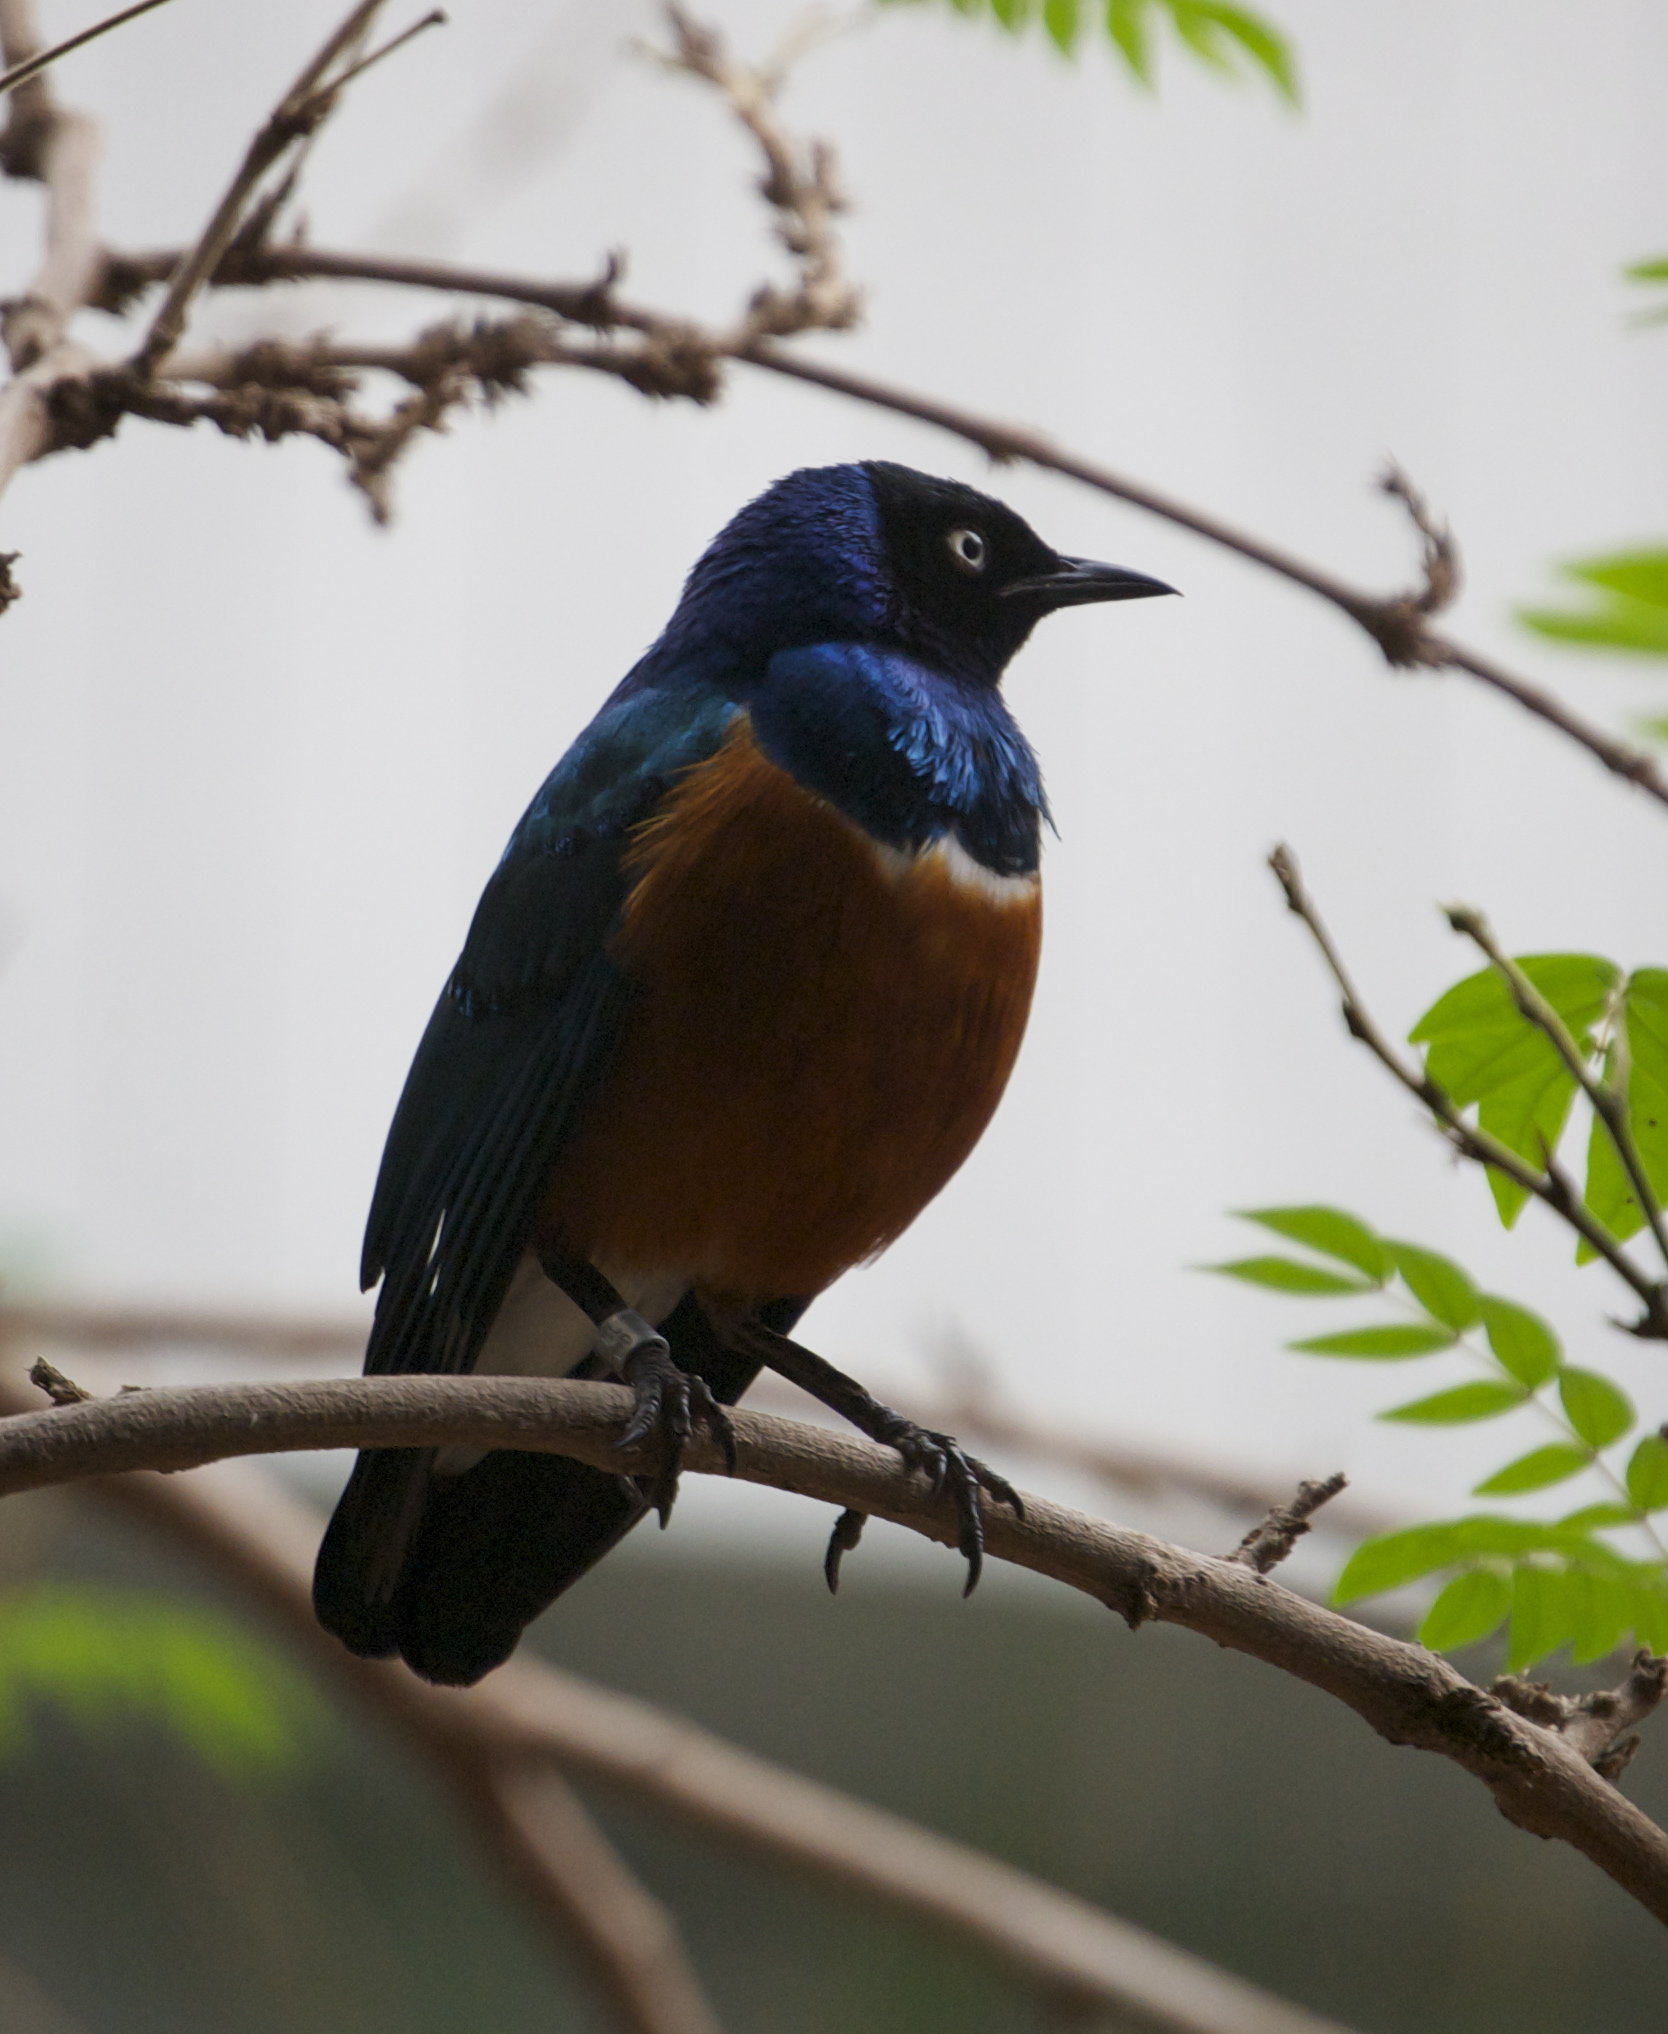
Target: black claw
(951,1472)
(848,1530)
(667,1402)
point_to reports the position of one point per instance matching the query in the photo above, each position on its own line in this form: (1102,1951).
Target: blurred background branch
(501,1747)
(1406,1694)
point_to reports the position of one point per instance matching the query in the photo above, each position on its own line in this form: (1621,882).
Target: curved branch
(1409,1696)
(1400,624)
(530,1720)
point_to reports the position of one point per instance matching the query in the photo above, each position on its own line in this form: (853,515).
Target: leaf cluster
(1228,39)
(1553,1583)
(1483,1051)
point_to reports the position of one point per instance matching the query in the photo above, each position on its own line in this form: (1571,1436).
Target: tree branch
(669,355)
(529,1718)
(31,66)
(1408,1695)
(59,149)
(963,1403)
(1271,1540)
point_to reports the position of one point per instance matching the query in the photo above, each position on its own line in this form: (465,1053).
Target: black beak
(1080,580)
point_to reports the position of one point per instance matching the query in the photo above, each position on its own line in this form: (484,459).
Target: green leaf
(1228,38)
(1616,624)
(1463,1403)
(1471,1607)
(1599,1412)
(1643,1016)
(1544,1615)
(1602,1609)
(1063,20)
(1330,1232)
(1207,25)
(1592,1517)
(1287,1274)
(1126,23)
(1394,1342)
(1647,1474)
(1391,1559)
(1554,1463)
(1438,1284)
(1491,1533)
(1650,1606)
(1655,270)
(1482,1050)
(1630,613)
(1522,1342)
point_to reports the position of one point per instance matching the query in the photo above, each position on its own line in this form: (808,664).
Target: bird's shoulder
(548,904)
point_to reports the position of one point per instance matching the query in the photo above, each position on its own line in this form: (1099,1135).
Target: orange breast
(823,1033)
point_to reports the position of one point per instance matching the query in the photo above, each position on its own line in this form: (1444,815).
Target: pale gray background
(258,757)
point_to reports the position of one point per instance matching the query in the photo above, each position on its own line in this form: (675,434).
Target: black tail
(448,1571)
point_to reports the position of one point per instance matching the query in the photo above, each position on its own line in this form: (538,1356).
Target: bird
(737,1001)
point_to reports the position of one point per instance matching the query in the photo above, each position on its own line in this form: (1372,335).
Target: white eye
(968,549)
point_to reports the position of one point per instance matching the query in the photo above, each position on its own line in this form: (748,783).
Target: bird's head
(880,553)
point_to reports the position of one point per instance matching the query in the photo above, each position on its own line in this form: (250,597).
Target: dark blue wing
(519,1039)
(517,1044)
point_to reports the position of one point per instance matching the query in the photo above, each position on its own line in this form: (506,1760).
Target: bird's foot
(950,1472)
(669,1404)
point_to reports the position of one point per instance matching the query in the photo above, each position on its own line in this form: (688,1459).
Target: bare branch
(59,148)
(964,1404)
(60,1389)
(1551,1185)
(31,66)
(1399,624)
(669,355)
(1269,1542)
(535,1717)
(298,114)
(1406,1694)
(799,184)
(1597,1725)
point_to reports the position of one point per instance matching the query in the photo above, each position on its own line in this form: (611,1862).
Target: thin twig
(60,1389)
(1609,1102)
(675,356)
(1407,1694)
(307,103)
(1440,562)
(800,184)
(60,147)
(1551,1186)
(1272,1538)
(1601,1725)
(31,67)
(1395,622)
